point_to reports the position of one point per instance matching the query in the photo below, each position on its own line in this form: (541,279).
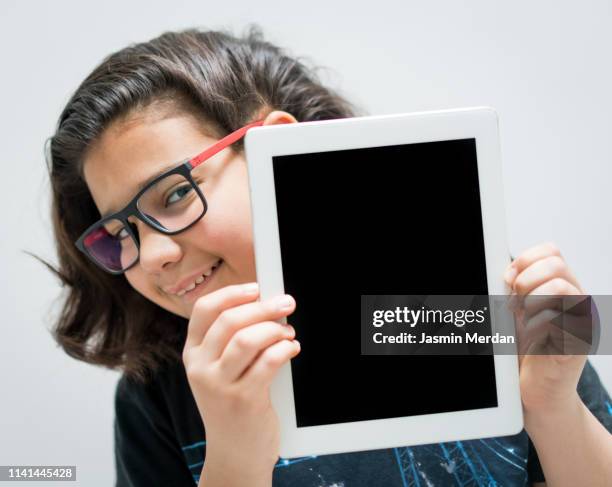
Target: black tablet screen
(402,219)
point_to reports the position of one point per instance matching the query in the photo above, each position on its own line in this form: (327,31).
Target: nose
(156,249)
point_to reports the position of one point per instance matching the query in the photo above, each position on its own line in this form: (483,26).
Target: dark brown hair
(221,80)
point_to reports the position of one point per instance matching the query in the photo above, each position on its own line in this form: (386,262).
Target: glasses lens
(111,246)
(172,203)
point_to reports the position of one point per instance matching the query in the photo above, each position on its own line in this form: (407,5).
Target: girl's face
(129,153)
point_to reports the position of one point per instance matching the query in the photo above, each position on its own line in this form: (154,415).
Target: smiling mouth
(200,282)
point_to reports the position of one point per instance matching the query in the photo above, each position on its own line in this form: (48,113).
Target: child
(163,288)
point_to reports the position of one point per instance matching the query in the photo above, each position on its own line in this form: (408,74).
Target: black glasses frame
(184,169)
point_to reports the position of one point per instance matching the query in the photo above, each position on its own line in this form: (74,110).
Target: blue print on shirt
(460,463)
(194,455)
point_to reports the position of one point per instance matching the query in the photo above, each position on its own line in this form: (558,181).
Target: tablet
(408,204)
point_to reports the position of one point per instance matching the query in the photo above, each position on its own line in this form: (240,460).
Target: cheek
(145,287)
(228,219)
(228,228)
(139,281)
(142,284)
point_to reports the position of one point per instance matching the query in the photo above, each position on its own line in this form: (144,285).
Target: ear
(278,117)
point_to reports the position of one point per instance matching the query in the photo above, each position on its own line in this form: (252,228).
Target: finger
(540,271)
(513,302)
(265,367)
(521,335)
(521,341)
(564,338)
(529,256)
(233,319)
(247,344)
(557,294)
(208,307)
(543,309)
(571,334)
(536,334)
(533,304)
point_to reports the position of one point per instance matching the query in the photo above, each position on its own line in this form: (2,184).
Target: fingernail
(509,275)
(284,302)
(290,330)
(250,288)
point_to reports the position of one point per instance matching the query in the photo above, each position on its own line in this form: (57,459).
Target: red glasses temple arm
(222,144)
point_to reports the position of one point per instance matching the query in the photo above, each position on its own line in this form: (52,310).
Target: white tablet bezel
(261,144)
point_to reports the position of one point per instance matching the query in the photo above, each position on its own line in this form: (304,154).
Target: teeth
(190,287)
(199,280)
(209,272)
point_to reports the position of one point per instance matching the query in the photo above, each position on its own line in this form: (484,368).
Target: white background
(545,67)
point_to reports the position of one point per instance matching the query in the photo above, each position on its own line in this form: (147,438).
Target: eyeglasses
(171,203)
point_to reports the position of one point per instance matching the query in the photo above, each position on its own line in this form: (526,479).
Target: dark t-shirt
(160,441)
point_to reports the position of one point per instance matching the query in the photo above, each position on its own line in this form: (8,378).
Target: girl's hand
(233,351)
(548,382)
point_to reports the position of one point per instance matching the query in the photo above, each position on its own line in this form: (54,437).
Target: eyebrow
(144,183)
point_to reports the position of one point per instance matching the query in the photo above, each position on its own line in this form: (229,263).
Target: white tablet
(384,205)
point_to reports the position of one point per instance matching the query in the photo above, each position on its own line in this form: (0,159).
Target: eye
(181,192)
